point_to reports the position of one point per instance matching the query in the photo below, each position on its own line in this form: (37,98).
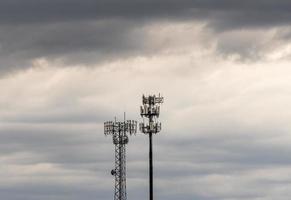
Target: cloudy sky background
(222,66)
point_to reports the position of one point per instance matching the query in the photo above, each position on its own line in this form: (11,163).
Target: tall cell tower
(119,131)
(151,110)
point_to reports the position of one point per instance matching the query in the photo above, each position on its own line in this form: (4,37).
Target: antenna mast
(119,131)
(151,110)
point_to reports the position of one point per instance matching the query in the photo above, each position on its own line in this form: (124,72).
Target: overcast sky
(223,67)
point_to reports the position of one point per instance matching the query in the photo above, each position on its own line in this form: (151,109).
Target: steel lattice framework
(119,131)
(151,110)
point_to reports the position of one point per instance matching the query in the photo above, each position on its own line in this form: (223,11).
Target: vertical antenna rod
(119,131)
(151,110)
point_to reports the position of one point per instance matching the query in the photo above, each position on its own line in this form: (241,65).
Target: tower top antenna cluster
(121,129)
(151,110)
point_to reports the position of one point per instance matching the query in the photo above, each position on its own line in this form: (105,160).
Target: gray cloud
(84,157)
(98,31)
(231,13)
(74,42)
(222,138)
(225,125)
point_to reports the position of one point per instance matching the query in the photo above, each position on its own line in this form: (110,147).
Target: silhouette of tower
(151,110)
(119,131)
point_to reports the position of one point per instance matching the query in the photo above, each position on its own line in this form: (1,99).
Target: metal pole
(151,156)
(151,110)
(151,166)
(120,164)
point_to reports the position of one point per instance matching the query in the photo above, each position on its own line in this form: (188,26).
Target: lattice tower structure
(119,132)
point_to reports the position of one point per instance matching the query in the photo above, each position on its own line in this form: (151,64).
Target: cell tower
(119,131)
(151,110)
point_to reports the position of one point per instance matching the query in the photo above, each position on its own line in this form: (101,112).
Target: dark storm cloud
(74,42)
(228,12)
(260,12)
(83,32)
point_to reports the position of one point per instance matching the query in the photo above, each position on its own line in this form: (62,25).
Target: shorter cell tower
(151,110)
(119,131)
